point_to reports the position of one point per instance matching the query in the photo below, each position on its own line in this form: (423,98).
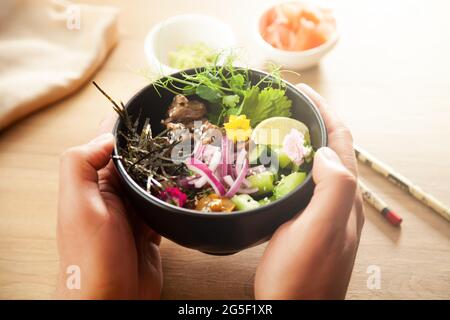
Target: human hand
(117,254)
(312,255)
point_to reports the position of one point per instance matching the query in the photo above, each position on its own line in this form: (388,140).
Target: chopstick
(402,182)
(381,206)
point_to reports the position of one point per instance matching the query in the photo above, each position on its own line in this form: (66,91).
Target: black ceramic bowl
(215,233)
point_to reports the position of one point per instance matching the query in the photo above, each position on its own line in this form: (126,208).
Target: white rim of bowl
(150,49)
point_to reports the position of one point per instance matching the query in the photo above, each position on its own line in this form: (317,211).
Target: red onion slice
(215,160)
(209,152)
(200,182)
(248,190)
(202,169)
(240,177)
(198,150)
(246,183)
(228,180)
(240,159)
(224,164)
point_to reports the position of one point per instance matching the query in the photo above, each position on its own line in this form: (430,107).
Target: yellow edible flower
(238,128)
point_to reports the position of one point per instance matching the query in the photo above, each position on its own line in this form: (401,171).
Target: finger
(144,232)
(329,114)
(150,271)
(334,193)
(80,164)
(339,136)
(149,261)
(78,181)
(154,237)
(358,213)
(108,179)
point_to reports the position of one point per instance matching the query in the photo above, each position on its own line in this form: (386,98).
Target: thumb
(78,182)
(78,178)
(334,192)
(80,164)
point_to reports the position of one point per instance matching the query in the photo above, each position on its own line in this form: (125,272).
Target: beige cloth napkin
(48,49)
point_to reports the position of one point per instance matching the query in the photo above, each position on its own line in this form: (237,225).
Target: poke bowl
(213,205)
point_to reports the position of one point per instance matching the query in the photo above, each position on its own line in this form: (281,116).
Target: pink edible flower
(293,146)
(174,196)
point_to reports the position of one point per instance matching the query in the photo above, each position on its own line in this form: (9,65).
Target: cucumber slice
(275,171)
(288,184)
(265,201)
(245,202)
(263,181)
(282,157)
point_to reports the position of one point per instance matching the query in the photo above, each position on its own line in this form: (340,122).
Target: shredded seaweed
(146,158)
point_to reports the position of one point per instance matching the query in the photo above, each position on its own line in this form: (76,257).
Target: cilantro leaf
(237,82)
(209,94)
(230,100)
(249,102)
(269,102)
(233,111)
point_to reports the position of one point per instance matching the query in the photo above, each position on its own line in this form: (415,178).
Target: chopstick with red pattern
(378,203)
(402,182)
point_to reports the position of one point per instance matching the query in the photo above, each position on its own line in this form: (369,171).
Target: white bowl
(183,30)
(294,60)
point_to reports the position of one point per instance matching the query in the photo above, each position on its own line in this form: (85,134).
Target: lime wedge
(273,130)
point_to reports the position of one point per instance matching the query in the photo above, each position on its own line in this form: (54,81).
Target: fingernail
(102,139)
(329,154)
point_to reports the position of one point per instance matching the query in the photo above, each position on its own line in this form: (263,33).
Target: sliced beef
(184,111)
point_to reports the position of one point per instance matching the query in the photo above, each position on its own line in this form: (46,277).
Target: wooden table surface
(389,79)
